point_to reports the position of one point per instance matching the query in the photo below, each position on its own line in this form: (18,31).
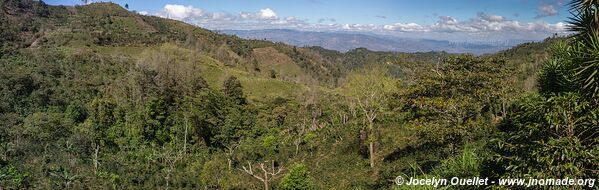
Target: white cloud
(484,22)
(489,17)
(180,12)
(546,10)
(350,27)
(267,14)
(405,27)
(447,24)
(447,20)
(245,15)
(263,14)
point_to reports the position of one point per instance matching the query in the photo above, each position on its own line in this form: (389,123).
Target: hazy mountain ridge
(347,41)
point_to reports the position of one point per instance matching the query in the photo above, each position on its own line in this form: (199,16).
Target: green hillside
(98,97)
(108,30)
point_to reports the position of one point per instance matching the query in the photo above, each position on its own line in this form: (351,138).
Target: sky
(453,20)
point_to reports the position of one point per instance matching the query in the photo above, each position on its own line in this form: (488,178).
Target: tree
(215,175)
(268,174)
(63,178)
(155,126)
(298,178)
(548,137)
(299,130)
(170,158)
(371,92)
(233,89)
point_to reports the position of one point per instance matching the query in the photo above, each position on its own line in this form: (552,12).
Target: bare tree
(297,133)
(370,92)
(268,174)
(170,158)
(306,119)
(230,151)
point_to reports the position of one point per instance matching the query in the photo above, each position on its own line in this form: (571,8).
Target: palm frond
(586,16)
(582,24)
(587,71)
(583,4)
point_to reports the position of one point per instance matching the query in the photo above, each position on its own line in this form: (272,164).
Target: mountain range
(347,41)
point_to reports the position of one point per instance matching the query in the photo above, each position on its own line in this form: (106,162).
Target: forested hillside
(98,97)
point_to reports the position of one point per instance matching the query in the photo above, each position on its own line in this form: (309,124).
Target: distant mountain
(346,41)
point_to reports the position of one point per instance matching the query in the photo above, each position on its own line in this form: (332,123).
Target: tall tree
(371,91)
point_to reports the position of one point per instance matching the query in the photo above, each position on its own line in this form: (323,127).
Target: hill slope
(107,29)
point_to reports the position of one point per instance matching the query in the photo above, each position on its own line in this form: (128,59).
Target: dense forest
(99,97)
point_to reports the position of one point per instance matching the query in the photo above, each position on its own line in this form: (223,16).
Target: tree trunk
(96,158)
(297,147)
(229,162)
(371,153)
(185,140)
(265,185)
(503,110)
(371,137)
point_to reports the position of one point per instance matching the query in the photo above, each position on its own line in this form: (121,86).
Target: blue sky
(456,20)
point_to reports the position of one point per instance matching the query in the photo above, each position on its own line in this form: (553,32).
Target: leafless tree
(268,174)
(170,158)
(370,92)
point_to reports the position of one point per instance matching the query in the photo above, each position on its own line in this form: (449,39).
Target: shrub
(298,178)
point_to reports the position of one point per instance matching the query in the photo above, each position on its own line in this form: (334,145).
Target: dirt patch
(270,56)
(147,27)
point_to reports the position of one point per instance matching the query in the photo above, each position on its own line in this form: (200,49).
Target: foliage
(572,68)
(549,137)
(466,164)
(297,178)
(215,175)
(585,20)
(555,134)
(555,75)
(232,88)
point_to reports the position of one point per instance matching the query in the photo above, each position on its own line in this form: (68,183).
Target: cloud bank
(483,26)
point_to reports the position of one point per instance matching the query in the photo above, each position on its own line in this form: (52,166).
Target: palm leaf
(587,71)
(586,17)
